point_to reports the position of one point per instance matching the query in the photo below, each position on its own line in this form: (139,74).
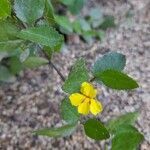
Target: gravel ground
(33,101)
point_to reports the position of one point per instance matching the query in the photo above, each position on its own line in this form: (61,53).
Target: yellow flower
(86,100)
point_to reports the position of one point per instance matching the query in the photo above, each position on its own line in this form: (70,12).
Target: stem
(56,69)
(53,66)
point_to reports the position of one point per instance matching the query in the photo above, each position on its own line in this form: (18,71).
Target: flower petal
(95,107)
(88,90)
(84,108)
(76,99)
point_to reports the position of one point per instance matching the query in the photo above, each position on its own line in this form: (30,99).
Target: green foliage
(96,17)
(68,112)
(8,30)
(5,75)
(29,10)
(127,137)
(5,9)
(128,118)
(74,5)
(117,80)
(43,35)
(24,55)
(108,22)
(95,130)
(64,23)
(49,12)
(77,27)
(77,75)
(67,2)
(15,65)
(33,62)
(10,45)
(90,27)
(85,26)
(111,60)
(65,130)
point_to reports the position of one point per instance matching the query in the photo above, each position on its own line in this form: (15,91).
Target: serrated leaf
(33,62)
(5,9)
(117,80)
(68,112)
(43,35)
(96,130)
(49,12)
(29,11)
(109,22)
(128,118)
(65,23)
(57,132)
(111,60)
(127,137)
(5,75)
(76,77)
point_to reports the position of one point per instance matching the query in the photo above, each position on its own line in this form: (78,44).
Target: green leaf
(65,23)
(29,11)
(96,17)
(109,22)
(67,2)
(95,13)
(49,12)
(127,137)
(117,80)
(15,66)
(88,35)
(5,75)
(111,60)
(96,130)
(128,118)
(8,40)
(3,55)
(10,45)
(100,34)
(24,55)
(84,25)
(57,132)
(8,30)
(5,9)
(77,26)
(77,76)
(33,62)
(43,35)
(76,6)
(69,113)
